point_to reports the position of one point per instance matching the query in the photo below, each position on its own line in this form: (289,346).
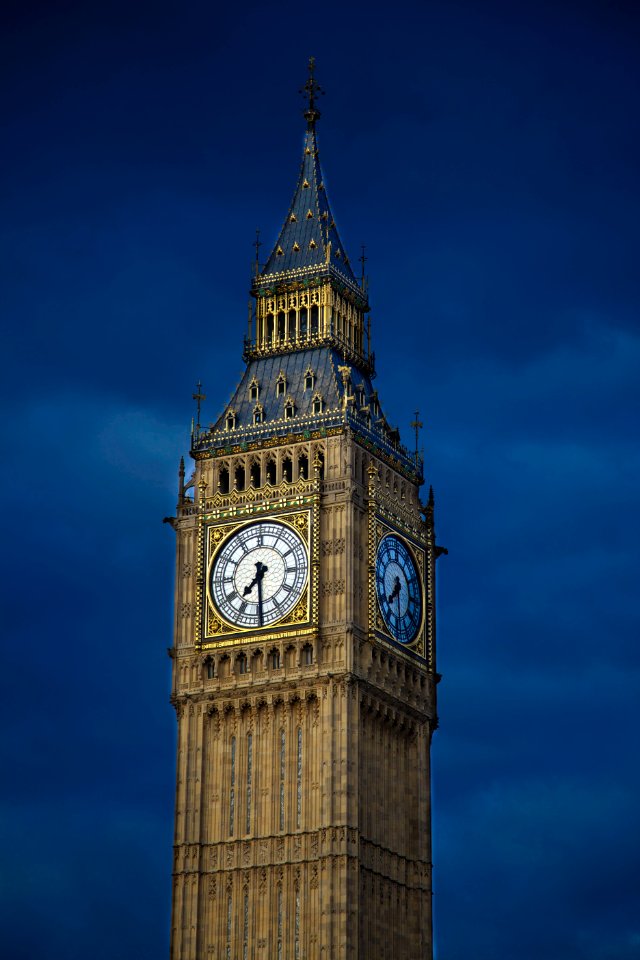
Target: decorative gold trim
(381,530)
(216,629)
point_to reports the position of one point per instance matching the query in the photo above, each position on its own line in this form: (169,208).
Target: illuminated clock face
(259,574)
(398,589)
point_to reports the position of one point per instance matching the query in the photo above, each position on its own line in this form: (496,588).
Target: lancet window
(232,788)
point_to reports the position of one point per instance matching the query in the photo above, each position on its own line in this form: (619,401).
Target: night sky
(488,156)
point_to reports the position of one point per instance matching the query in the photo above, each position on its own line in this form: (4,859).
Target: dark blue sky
(488,156)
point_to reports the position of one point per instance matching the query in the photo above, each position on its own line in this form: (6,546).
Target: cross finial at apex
(199,396)
(417,426)
(311,91)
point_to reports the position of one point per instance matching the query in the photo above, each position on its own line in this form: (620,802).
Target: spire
(309,241)
(310,91)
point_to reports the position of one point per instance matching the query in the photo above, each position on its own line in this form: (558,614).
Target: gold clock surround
(213,629)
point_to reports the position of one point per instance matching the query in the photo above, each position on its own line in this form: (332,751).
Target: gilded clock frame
(212,630)
(381,525)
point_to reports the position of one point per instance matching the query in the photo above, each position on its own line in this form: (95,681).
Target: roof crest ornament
(310,92)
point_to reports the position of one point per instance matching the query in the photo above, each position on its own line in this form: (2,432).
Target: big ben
(304,674)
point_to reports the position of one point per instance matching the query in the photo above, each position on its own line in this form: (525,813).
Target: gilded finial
(257,244)
(363,260)
(311,91)
(199,396)
(417,426)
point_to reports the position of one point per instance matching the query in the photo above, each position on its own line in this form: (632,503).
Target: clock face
(259,574)
(398,589)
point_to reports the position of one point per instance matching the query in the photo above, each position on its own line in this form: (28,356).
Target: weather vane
(417,426)
(311,91)
(199,396)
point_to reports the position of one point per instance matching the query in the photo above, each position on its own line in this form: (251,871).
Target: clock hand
(260,618)
(395,592)
(261,569)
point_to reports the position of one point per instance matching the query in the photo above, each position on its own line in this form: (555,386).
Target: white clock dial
(259,574)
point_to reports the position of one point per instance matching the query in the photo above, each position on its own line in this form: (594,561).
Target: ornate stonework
(302,822)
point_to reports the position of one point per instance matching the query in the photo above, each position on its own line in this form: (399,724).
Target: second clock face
(259,574)
(398,589)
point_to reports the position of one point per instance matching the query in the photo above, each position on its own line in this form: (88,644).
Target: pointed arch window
(317,405)
(281,385)
(230,420)
(289,409)
(258,413)
(254,389)
(309,379)
(293,218)
(309,214)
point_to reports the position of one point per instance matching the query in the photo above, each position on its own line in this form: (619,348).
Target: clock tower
(304,676)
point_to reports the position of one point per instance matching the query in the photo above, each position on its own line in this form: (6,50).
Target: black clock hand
(261,569)
(260,620)
(395,592)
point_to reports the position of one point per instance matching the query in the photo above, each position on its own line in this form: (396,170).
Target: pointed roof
(309,237)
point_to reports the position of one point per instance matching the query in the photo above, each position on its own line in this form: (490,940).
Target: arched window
(230,421)
(240,478)
(242,663)
(303,322)
(269,327)
(224,480)
(258,413)
(317,404)
(287,470)
(303,467)
(289,409)
(210,669)
(292,324)
(307,655)
(274,659)
(281,385)
(256,477)
(314,320)
(271,471)
(281,325)
(254,389)
(309,379)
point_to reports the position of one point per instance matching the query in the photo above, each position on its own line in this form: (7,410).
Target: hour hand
(396,590)
(261,569)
